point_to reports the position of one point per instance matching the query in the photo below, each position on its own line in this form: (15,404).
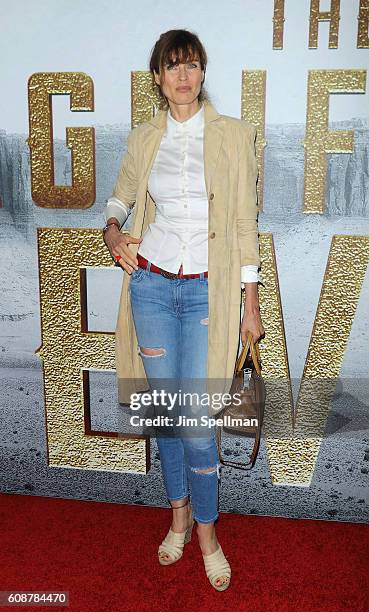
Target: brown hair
(184,46)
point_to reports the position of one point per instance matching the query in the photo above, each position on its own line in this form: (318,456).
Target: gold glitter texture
(316,15)
(293,444)
(69,351)
(253,110)
(278,24)
(145,100)
(319,140)
(81,140)
(362,32)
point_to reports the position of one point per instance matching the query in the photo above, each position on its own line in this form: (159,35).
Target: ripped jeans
(171,323)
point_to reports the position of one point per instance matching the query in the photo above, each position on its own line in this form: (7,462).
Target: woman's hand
(251,320)
(117,244)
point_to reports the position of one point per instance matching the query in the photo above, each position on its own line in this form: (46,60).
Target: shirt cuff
(116,208)
(250,274)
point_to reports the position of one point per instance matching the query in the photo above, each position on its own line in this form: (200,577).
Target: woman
(174,270)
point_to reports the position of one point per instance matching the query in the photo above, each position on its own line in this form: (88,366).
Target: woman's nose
(183,72)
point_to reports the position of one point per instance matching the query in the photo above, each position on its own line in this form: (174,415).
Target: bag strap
(255,354)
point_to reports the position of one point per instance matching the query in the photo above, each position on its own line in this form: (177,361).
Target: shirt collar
(192,126)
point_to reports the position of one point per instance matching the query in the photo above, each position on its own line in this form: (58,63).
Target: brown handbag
(244,417)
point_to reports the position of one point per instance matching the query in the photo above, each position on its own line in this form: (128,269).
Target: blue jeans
(171,316)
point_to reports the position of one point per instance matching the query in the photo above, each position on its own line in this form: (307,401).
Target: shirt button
(211,196)
(212,235)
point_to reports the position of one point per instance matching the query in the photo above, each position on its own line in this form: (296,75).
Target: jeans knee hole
(211,470)
(155,352)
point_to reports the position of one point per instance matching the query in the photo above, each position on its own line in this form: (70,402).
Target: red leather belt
(142,262)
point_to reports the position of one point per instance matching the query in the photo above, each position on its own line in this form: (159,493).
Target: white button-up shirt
(179,233)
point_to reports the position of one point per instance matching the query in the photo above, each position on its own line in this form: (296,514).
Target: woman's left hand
(251,322)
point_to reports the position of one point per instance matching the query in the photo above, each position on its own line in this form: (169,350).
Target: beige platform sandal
(173,543)
(217,566)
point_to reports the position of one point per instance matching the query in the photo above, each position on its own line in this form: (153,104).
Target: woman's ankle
(206,531)
(207,538)
(180,503)
(180,517)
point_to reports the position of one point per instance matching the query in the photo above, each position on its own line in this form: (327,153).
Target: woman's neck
(182,112)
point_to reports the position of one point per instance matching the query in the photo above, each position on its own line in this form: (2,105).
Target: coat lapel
(213,136)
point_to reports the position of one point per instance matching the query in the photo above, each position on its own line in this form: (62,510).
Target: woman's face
(181,83)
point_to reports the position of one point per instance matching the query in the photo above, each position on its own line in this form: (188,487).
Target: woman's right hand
(117,244)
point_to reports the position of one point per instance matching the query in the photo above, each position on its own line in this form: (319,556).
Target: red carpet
(105,556)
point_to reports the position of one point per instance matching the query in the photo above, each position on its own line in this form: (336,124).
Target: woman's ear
(156,77)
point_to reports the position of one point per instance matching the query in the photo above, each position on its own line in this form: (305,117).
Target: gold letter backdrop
(69,351)
(293,437)
(253,95)
(316,15)
(319,140)
(278,24)
(41,87)
(362,33)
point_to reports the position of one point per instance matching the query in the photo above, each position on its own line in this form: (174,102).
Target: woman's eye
(175,66)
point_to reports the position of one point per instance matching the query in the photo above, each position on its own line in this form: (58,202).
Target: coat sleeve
(125,188)
(247,205)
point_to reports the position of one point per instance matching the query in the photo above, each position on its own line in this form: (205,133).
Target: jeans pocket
(137,275)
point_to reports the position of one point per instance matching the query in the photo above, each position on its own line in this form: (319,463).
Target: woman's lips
(183,88)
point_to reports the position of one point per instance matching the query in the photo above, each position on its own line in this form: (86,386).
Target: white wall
(108,39)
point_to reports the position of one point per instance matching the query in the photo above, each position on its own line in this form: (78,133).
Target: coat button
(212,235)
(211,196)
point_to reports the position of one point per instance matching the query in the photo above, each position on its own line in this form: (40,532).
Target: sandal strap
(216,565)
(173,543)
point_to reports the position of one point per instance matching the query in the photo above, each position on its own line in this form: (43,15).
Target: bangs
(180,53)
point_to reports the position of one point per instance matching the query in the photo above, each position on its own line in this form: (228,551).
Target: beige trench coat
(230,177)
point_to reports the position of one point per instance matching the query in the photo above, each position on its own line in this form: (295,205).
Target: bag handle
(237,464)
(255,354)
